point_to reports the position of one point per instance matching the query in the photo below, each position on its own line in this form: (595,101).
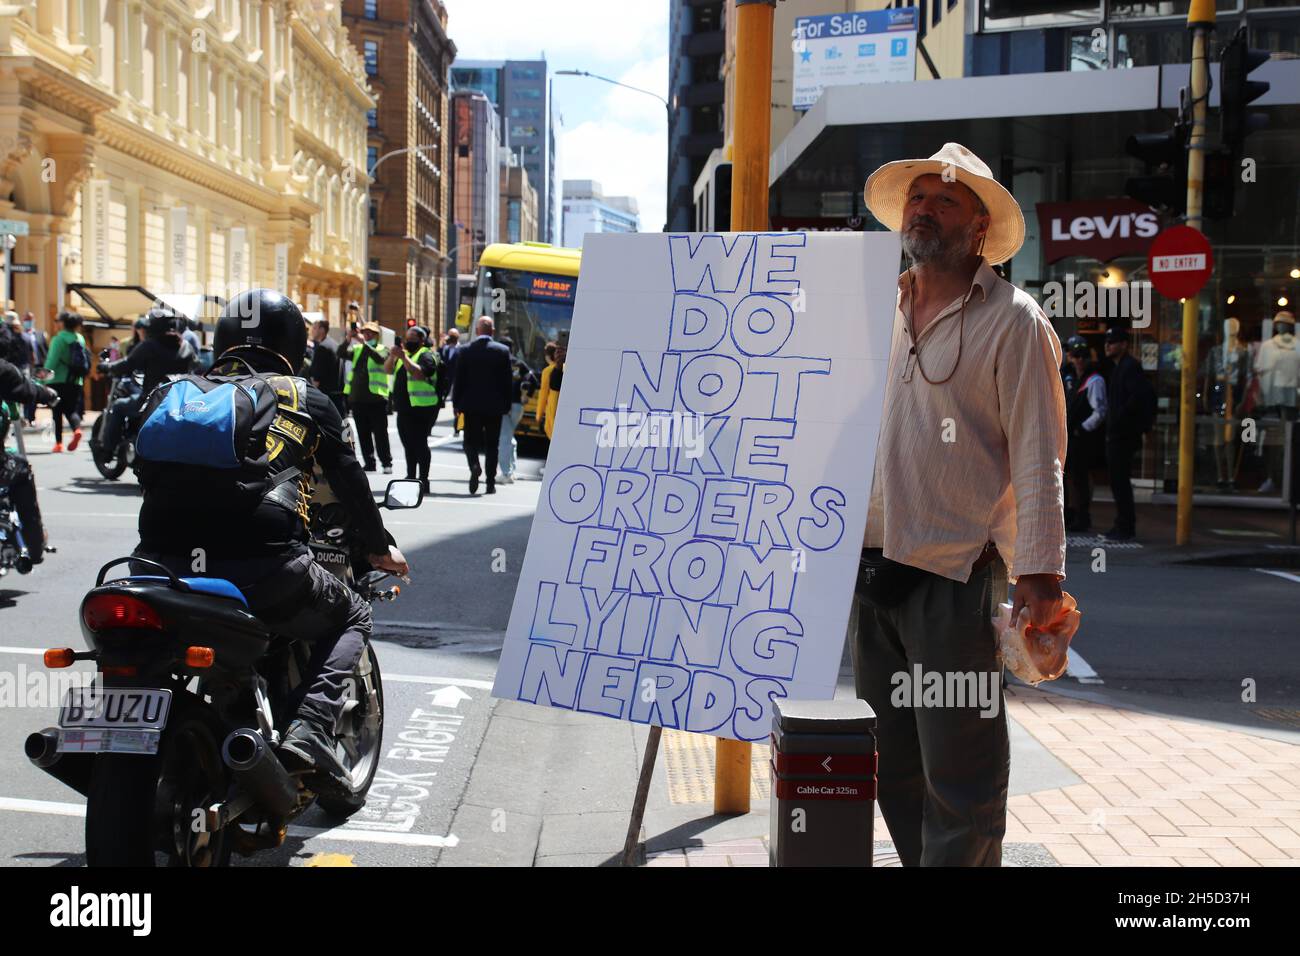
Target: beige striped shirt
(979,457)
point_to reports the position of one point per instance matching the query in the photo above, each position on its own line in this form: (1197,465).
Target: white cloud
(625,160)
(625,147)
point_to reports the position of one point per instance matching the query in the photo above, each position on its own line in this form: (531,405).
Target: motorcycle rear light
(60,657)
(122,670)
(199,657)
(104,611)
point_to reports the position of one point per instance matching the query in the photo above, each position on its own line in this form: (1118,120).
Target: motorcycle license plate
(115,708)
(97,740)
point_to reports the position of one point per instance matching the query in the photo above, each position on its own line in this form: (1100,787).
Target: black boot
(309,748)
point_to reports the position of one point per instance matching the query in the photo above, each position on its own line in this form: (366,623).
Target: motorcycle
(174,746)
(111,462)
(14,552)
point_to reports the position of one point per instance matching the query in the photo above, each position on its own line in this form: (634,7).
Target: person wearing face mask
(366,389)
(39,345)
(414,368)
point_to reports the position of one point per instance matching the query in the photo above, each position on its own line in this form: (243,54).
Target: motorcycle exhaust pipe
(74,770)
(258,771)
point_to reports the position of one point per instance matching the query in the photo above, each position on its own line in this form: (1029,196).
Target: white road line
(1281,574)
(1081,670)
(52,808)
(421,679)
(388,678)
(437,626)
(48,807)
(91,514)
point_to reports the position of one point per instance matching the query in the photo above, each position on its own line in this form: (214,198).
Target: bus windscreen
(529,308)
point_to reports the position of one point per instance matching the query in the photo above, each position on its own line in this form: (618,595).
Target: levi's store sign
(1101,229)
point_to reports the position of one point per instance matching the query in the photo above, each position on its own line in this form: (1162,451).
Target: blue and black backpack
(227,440)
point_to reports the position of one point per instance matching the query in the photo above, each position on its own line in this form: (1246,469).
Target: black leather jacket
(156,358)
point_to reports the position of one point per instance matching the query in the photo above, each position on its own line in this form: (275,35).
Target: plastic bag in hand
(1035,654)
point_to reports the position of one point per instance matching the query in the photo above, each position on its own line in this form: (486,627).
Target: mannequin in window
(1223,388)
(1278,368)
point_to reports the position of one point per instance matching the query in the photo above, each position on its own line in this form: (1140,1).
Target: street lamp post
(606,79)
(365,246)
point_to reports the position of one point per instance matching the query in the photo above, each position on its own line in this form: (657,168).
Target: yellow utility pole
(752,149)
(1200,20)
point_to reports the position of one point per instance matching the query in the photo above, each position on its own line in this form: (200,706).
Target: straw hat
(370,327)
(886,196)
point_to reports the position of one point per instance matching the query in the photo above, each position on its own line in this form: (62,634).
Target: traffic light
(1219,179)
(410,323)
(1236,63)
(1165,156)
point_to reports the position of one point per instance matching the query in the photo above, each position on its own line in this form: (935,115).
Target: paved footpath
(1153,791)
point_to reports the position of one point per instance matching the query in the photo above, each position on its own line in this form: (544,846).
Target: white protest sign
(697,535)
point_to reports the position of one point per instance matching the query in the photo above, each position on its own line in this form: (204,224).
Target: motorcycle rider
(263,551)
(15,472)
(162,352)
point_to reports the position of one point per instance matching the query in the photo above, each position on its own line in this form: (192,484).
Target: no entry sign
(1179,262)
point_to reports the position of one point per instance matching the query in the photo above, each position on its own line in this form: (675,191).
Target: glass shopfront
(1248,361)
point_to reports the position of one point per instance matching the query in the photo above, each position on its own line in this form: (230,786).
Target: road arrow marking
(449,696)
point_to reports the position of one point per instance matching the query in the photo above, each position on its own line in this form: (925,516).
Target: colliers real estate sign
(849,49)
(698,530)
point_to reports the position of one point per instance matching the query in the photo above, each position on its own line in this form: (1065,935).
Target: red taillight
(104,611)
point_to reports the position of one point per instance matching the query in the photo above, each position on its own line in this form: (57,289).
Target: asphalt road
(437,646)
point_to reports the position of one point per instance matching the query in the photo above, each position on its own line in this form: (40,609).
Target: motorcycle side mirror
(403,493)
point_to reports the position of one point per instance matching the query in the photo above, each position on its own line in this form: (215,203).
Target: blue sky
(617,137)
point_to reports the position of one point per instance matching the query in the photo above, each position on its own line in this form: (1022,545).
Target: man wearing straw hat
(967,493)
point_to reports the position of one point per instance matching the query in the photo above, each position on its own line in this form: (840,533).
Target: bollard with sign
(823,782)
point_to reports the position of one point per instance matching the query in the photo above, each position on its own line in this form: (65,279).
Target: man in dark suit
(482,393)
(326,371)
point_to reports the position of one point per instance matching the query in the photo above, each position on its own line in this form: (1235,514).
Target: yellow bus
(528,290)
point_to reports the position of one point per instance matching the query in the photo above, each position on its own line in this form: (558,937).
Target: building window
(372,119)
(1006,15)
(371,9)
(372,57)
(372,157)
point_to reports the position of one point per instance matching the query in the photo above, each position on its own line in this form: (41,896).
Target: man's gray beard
(938,250)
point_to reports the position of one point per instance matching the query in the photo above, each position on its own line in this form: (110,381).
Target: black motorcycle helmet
(263,323)
(162,319)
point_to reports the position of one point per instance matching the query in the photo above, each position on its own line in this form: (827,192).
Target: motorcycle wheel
(142,808)
(361,738)
(110,465)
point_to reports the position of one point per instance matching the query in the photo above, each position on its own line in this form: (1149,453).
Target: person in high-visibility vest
(415,397)
(367,393)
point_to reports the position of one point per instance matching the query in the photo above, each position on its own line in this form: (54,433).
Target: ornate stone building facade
(183,146)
